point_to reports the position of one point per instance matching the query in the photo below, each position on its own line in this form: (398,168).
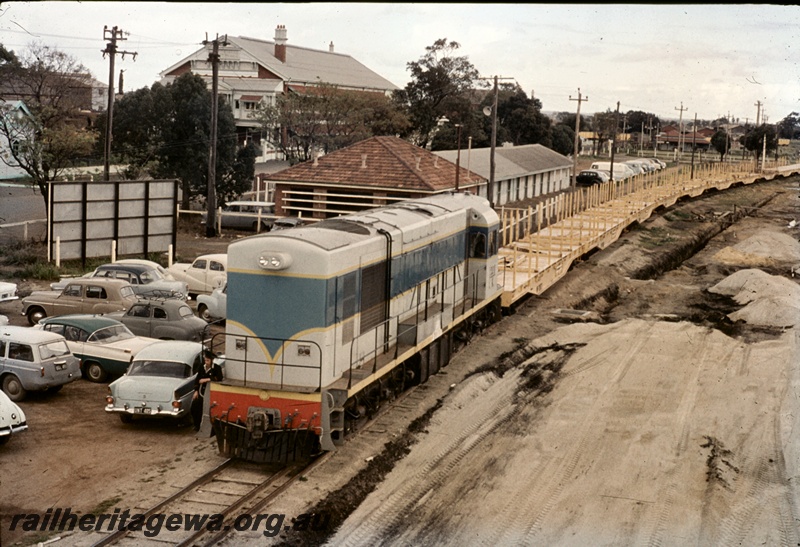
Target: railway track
(233,497)
(228,498)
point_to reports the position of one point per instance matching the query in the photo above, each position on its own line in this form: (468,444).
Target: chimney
(280,43)
(418,158)
(363,161)
(330,48)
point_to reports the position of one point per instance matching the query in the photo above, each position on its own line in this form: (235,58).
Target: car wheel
(125,418)
(95,373)
(202,311)
(35,315)
(13,388)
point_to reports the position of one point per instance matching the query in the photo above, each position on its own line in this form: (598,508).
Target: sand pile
(769,300)
(766,248)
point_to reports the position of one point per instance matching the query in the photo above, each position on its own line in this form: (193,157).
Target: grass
(105,505)
(655,237)
(28,260)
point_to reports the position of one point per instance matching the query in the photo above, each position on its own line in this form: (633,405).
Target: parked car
(642,165)
(166,319)
(8,291)
(621,170)
(246,215)
(154,265)
(213,307)
(286,222)
(145,280)
(12,419)
(160,382)
(104,345)
(636,167)
(206,273)
(663,164)
(33,360)
(589,177)
(657,166)
(95,295)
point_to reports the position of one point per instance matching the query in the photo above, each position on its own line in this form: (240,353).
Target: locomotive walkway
(538,245)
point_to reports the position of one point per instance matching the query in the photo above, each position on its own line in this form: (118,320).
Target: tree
(52,135)
(441,84)
(721,141)
(521,118)
(8,57)
(754,140)
(789,127)
(568,119)
(605,126)
(165,131)
(139,126)
(326,118)
(563,139)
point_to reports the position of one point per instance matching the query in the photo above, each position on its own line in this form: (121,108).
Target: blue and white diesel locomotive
(327,320)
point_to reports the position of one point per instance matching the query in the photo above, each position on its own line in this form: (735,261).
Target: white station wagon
(34,360)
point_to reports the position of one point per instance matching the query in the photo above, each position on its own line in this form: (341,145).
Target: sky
(709,61)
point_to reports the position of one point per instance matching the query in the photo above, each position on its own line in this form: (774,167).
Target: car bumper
(5,431)
(155,410)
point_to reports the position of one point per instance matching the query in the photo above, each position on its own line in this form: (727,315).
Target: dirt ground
(662,421)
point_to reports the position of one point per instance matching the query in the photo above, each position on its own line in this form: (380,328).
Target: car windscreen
(185,311)
(110,334)
(150,276)
(126,291)
(56,348)
(166,369)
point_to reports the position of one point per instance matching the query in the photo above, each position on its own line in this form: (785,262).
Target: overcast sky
(711,59)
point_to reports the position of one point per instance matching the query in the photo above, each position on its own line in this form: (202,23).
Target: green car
(104,345)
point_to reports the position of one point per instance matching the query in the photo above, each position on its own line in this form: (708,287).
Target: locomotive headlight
(274,261)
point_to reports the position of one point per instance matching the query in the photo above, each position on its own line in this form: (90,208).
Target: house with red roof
(371,173)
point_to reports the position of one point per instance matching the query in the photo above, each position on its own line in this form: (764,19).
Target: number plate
(142,410)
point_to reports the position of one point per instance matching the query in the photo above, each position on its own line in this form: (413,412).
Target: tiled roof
(510,161)
(302,66)
(379,162)
(313,66)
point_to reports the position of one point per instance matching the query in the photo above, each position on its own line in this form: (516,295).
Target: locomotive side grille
(373,296)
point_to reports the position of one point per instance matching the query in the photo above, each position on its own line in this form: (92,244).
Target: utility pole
(211,217)
(458,154)
(727,133)
(494,145)
(112,35)
(577,137)
(490,189)
(614,141)
(758,112)
(694,142)
(680,129)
